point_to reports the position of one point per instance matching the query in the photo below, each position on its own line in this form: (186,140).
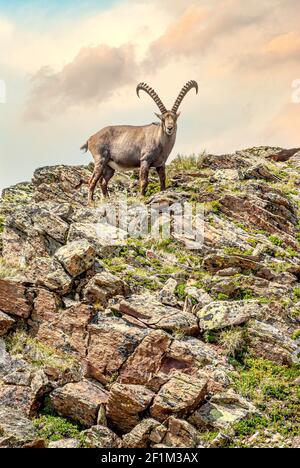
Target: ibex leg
(100,165)
(144,175)
(107,175)
(161,171)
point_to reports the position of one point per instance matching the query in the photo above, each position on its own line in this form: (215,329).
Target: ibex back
(125,147)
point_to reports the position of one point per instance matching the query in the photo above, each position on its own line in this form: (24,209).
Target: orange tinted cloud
(284,127)
(92,77)
(284,45)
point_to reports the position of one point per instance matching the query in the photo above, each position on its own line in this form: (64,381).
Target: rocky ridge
(113,342)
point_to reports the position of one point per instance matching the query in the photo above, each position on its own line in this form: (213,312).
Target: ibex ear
(159,116)
(178,115)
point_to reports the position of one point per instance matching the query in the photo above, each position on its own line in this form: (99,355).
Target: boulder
(22,390)
(180,434)
(111,342)
(63,329)
(16,430)
(222,411)
(140,436)
(48,272)
(15,298)
(100,437)
(102,287)
(6,323)
(79,401)
(103,237)
(152,313)
(125,403)
(222,314)
(268,342)
(144,364)
(76,257)
(65,444)
(179,396)
(167,294)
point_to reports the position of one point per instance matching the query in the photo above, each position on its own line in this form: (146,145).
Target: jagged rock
(6,323)
(270,343)
(226,161)
(200,296)
(101,437)
(63,329)
(76,257)
(219,261)
(65,444)
(179,396)
(102,287)
(103,237)
(259,287)
(263,214)
(125,403)
(225,175)
(157,435)
(153,314)
(144,364)
(48,223)
(16,430)
(189,355)
(222,411)
(5,359)
(61,184)
(140,436)
(167,294)
(258,171)
(283,155)
(139,346)
(23,389)
(15,298)
(79,401)
(229,272)
(111,342)
(222,314)
(180,434)
(49,273)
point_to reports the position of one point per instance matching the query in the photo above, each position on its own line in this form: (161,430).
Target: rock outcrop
(110,341)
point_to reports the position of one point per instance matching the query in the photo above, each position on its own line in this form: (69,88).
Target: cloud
(200,29)
(92,77)
(284,47)
(284,126)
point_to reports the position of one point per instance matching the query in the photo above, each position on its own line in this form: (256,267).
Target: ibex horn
(190,85)
(153,94)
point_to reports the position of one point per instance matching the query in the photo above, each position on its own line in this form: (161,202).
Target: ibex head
(168,118)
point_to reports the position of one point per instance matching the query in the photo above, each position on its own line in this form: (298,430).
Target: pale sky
(72,68)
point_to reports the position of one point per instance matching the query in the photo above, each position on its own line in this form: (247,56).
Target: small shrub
(296,335)
(250,426)
(233,341)
(180,291)
(211,336)
(222,297)
(297,293)
(187,163)
(53,428)
(276,241)
(2,224)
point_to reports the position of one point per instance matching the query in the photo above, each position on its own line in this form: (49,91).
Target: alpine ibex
(126,147)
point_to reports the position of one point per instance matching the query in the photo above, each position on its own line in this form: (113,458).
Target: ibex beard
(126,147)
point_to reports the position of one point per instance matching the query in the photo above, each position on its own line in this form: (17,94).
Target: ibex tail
(85,147)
